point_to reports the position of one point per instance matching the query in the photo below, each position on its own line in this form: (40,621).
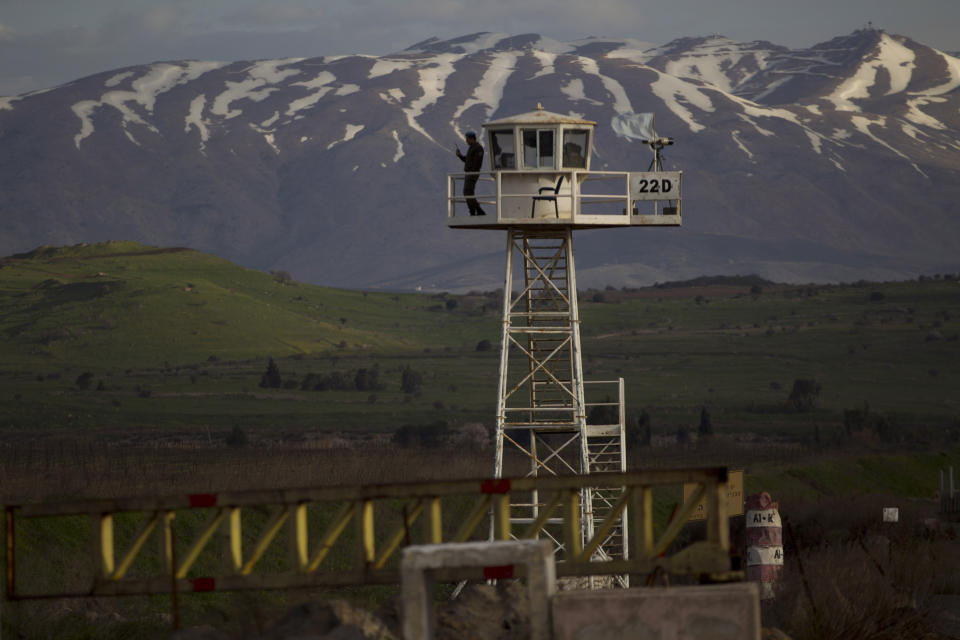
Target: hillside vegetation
(122,336)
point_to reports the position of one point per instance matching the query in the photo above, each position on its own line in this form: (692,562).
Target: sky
(44,43)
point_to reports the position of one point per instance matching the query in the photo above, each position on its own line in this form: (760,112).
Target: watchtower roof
(537,117)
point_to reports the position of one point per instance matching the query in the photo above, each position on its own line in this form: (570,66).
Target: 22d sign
(655,185)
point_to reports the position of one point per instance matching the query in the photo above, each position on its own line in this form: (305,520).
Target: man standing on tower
(472,163)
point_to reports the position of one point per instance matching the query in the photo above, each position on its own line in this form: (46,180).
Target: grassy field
(127,369)
(119,336)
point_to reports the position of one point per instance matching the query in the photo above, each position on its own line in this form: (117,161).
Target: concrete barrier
(715,612)
(497,559)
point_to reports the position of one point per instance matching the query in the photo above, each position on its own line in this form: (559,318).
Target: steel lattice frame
(541,410)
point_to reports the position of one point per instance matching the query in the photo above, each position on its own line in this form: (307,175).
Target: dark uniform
(472,162)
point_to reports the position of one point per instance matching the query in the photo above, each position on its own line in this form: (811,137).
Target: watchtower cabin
(539,188)
(540,176)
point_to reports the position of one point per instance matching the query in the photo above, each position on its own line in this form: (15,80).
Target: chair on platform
(556,192)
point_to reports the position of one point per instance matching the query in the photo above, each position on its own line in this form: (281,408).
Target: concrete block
(715,612)
(418,561)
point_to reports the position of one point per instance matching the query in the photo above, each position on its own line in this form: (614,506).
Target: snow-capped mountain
(837,162)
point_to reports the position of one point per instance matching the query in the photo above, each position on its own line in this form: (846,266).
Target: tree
(271,378)
(484,345)
(705,430)
(410,380)
(84,380)
(368,379)
(638,431)
(283,277)
(804,395)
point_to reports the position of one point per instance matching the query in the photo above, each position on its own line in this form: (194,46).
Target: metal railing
(338,535)
(579,201)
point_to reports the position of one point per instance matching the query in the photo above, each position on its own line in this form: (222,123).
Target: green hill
(117,335)
(121,304)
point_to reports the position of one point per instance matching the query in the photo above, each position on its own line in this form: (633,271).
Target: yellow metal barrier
(204,544)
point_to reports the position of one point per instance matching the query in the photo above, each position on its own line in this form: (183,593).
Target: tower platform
(584,200)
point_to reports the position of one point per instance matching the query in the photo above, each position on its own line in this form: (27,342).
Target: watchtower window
(574,148)
(504,154)
(538,148)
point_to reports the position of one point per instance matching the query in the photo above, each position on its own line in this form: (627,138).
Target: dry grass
(863,581)
(61,470)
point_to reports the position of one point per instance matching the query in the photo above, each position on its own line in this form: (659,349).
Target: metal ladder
(606,453)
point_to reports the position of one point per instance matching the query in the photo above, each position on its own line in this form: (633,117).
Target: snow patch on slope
(392,96)
(546,60)
(113,81)
(915,113)
(195,119)
(575,91)
(891,56)
(143,92)
(432,80)
(272,120)
(489,90)
(863,124)
(386,66)
(351,131)
(254,87)
(621,102)
(735,134)
(399,153)
(677,93)
(321,83)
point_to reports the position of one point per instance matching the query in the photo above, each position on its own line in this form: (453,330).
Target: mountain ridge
(837,162)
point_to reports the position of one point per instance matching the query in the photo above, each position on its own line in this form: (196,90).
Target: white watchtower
(539,189)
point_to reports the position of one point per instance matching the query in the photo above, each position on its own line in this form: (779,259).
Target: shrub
(472,436)
(431,436)
(410,380)
(237,437)
(84,380)
(484,345)
(804,395)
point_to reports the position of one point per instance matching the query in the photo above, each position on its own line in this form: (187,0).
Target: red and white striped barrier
(764,542)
